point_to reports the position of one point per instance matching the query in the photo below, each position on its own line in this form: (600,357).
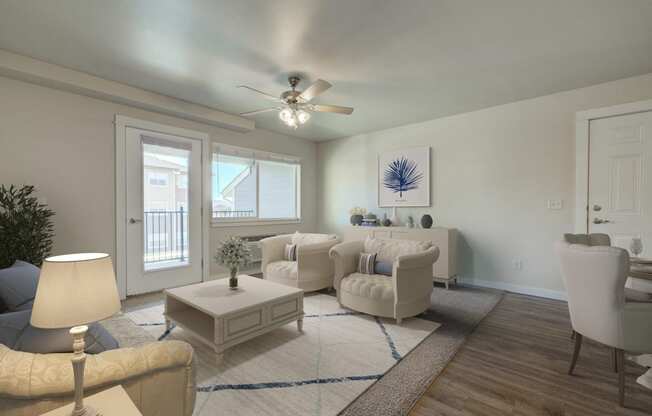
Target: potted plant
(357,214)
(233,253)
(26,228)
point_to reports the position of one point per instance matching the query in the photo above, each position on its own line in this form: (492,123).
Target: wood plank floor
(516,363)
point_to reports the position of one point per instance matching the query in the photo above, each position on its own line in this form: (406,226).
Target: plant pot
(233,280)
(356,219)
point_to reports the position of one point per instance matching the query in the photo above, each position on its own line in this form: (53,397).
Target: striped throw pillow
(366,263)
(290,253)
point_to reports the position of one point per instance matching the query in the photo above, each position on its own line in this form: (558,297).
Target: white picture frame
(404,177)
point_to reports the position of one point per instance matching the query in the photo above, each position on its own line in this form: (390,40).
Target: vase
(356,219)
(426,221)
(233,280)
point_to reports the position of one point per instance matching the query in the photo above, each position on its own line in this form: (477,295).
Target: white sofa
(313,269)
(406,293)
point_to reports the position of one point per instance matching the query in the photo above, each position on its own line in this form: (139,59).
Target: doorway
(160,193)
(620,193)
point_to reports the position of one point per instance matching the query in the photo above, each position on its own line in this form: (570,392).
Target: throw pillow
(17,333)
(366,263)
(383,267)
(290,253)
(18,284)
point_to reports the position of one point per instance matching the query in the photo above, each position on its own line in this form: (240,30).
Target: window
(157,178)
(253,186)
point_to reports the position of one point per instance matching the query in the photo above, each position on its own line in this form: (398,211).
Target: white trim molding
(42,73)
(582,140)
(121,123)
(523,290)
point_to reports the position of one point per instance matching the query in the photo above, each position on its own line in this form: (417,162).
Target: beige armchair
(599,309)
(313,269)
(159,378)
(406,293)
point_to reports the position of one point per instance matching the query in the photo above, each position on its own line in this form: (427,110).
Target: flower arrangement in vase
(233,253)
(357,214)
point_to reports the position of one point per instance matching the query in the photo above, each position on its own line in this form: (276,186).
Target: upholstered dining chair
(595,283)
(595,239)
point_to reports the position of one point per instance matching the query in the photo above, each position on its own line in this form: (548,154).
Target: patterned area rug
(318,372)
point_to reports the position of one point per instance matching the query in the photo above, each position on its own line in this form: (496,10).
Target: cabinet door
(382,234)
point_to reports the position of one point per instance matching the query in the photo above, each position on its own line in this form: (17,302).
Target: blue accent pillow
(383,267)
(18,285)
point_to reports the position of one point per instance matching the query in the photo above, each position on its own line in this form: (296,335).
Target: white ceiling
(396,62)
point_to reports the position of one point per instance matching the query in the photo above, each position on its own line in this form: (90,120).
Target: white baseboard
(524,290)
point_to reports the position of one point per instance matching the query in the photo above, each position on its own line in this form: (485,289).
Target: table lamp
(75,290)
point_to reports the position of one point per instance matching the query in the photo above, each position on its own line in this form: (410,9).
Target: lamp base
(86,411)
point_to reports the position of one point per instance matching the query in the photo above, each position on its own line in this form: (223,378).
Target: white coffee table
(222,318)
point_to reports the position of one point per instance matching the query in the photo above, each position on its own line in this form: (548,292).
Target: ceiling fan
(295,105)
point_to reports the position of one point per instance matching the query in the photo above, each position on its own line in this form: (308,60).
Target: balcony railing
(166,236)
(234,213)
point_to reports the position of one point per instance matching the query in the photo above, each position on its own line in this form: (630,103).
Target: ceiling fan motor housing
(290,97)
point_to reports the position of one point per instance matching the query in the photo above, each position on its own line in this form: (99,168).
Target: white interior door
(620,197)
(163,182)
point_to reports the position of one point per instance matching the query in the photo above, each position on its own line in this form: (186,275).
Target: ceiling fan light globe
(303,116)
(285,115)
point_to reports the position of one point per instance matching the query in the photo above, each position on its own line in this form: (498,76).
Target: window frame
(257,156)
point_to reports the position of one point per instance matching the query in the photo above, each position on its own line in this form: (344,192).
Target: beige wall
(63,144)
(493,171)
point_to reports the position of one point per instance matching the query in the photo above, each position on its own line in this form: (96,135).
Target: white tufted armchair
(600,307)
(406,293)
(312,270)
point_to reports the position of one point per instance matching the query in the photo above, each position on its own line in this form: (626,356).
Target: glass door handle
(134,220)
(597,220)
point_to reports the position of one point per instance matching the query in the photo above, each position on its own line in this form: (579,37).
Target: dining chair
(599,310)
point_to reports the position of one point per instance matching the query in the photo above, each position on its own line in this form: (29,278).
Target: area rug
(458,311)
(318,372)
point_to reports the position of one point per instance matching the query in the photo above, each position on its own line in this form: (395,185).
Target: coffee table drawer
(284,309)
(237,325)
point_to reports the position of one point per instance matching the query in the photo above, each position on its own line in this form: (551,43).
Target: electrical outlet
(555,204)
(517,264)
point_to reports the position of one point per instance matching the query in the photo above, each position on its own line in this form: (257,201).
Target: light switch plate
(555,204)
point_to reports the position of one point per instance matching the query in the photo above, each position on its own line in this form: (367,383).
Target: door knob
(134,220)
(597,220)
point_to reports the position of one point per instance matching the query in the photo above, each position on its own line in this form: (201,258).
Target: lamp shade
(75,289)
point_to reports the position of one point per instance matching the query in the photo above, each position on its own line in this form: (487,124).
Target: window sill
(251,223)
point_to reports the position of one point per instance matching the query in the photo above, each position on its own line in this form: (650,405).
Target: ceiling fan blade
(268,96)
(317,87)
(332,109)
(264,110)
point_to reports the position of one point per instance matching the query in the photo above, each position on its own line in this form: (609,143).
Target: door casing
(582,143)
(121,123)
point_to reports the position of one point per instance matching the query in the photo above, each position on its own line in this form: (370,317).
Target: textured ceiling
(396,62)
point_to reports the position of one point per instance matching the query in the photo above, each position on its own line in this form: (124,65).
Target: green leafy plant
(26,229)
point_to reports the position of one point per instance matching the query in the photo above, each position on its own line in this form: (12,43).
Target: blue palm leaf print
(401,175)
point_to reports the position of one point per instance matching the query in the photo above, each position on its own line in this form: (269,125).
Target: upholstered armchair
(158,377)
(312,270)
(403,294)
(599,308)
